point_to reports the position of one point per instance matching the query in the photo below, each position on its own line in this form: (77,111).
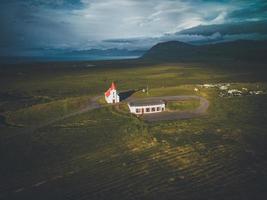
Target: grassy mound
(190,104)
(42,113)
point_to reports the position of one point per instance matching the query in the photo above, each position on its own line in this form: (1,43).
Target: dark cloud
(253,11)
(229,28)
(81,24)
(54,4)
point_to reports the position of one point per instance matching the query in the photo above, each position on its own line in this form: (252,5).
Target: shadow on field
(3,121)
(126,94)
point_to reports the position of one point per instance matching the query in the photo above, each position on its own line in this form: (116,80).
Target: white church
(111,95)
(138,107)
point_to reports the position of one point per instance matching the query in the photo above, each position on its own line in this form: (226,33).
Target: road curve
(167,115)
(93,104)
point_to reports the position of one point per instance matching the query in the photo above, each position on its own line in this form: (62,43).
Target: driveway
(172,115)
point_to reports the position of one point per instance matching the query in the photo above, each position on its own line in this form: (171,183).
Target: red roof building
(112,87)
(111,95)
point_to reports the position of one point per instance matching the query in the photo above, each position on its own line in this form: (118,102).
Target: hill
(106,52)
(240,50)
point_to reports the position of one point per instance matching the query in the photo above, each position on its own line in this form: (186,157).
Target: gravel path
(204,104)
(91,106)
(167,115)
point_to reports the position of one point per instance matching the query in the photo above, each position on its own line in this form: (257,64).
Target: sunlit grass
(42,113)
(183,105)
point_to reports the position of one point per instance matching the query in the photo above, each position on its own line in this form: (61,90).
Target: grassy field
(183,105)
(40,113)
(110,154)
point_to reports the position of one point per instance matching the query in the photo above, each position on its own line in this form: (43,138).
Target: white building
(111,95)
(146,107)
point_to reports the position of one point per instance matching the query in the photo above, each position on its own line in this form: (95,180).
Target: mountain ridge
(239,50)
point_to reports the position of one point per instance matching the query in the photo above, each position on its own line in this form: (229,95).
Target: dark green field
(47,152)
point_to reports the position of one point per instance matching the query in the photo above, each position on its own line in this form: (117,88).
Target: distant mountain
(45,55)
(241,50)
(259,27)
(106,52)
(172,50)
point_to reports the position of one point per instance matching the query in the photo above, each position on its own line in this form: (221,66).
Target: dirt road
(167,115)
(93,104)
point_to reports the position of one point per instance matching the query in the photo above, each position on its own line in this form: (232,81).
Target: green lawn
(183,105)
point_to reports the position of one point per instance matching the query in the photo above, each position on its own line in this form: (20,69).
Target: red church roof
(112,87)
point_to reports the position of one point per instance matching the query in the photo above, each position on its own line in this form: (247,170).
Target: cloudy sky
(83,24)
